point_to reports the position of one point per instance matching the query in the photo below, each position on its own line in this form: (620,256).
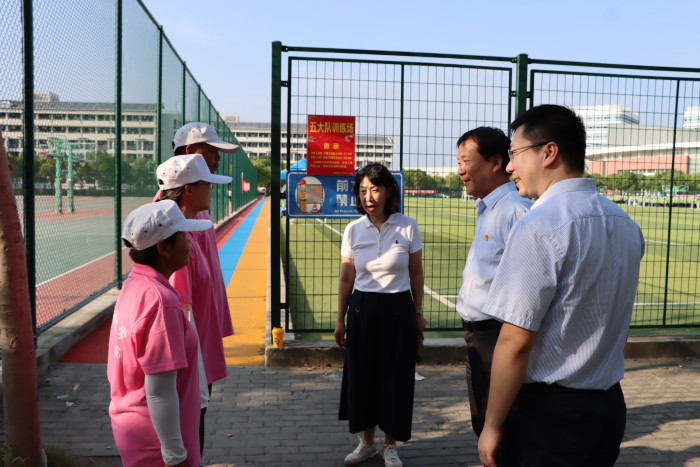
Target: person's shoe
(362,452)
(391,457)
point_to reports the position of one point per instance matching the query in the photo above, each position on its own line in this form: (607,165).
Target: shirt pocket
(487,257)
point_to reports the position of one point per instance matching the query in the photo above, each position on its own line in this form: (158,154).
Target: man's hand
(339,334)
(488,445)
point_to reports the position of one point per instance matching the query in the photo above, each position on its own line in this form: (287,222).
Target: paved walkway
(268,417)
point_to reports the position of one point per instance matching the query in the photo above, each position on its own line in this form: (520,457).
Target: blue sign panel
(316,196)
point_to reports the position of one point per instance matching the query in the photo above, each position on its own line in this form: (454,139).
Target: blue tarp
(300,166)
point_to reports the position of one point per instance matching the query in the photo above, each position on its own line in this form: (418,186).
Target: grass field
(447,226)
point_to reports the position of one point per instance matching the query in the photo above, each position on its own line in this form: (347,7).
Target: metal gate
(410,109)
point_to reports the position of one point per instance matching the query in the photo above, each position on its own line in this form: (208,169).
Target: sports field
(447,226)
(74,251)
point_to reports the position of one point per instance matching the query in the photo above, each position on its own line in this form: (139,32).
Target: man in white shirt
(482,158)
(565,290)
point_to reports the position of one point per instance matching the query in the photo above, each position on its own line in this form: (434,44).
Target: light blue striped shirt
(570,272)
(496,214)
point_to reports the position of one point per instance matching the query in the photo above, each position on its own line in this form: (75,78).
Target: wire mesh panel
(11,87)
(191,99)
(74,105)
(172,116)
(74,120)
(409,117)
(643,148)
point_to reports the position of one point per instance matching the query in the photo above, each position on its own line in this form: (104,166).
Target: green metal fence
(410,109)
(94,91)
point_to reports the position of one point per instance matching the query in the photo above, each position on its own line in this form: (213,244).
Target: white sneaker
(391,457)
(362,452)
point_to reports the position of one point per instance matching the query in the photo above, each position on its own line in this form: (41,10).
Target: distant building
(691,117)
(617,142)
(255,138)
(598,118)
(88,125)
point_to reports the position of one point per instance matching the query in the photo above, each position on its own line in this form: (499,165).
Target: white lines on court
(79,267)
(326,225)
(668,304)
(664,243)
(427,228)
(440,298)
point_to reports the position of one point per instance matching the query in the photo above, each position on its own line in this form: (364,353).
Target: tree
(454,184)
(103,168)
(263,168)
(19,375)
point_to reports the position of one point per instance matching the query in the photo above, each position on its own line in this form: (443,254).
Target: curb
(453,350)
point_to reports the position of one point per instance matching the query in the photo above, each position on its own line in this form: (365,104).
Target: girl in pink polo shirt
(187,180)
(152,363)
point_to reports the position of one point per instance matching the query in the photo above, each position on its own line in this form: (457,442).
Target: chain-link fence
(643,150)
(95,99)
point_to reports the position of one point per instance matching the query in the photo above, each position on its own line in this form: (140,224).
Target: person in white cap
(152,361)
(188,181)
(202,138)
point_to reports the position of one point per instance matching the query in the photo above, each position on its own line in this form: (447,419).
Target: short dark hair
(379,175)
(489,141)
(558,124)
(147,256)
(173,193)
(182,150)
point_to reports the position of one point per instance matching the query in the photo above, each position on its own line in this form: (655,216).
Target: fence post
(184,91)
(401,119)
(159,103)
(28,153)
(118,151)
(275,157)
(521,84)
(670,202)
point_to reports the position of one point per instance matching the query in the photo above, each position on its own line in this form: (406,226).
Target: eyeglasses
(511,152)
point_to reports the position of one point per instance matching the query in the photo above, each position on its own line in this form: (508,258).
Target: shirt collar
(566,186)
(390,220)
(147,271)
(492,198)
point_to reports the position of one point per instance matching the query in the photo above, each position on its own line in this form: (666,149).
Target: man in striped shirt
(564,290)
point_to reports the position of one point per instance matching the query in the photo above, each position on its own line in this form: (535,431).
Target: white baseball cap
(198,132)
(149,224)
(183,170)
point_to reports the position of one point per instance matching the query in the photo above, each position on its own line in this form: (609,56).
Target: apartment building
(87,125)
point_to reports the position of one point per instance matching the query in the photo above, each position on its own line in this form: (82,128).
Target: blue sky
(226,44)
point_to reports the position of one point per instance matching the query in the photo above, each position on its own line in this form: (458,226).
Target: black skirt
(380,363)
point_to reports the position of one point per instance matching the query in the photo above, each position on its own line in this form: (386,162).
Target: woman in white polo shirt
(381,258)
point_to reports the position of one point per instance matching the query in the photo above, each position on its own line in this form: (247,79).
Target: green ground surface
(447,227)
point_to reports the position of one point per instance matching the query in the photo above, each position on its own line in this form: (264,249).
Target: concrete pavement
(261,416)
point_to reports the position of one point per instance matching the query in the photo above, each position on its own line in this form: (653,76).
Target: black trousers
(202,412)
(553,426)
(380,363)
(481,338)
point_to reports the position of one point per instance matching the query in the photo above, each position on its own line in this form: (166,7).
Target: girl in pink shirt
(152,362)
(187,180)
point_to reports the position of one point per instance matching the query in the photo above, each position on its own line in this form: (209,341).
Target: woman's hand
(421,323)
(339,334)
